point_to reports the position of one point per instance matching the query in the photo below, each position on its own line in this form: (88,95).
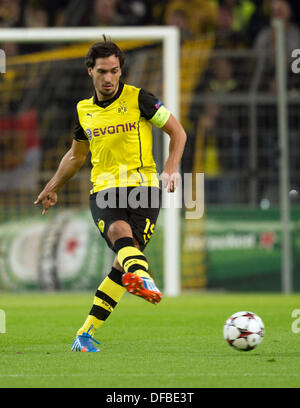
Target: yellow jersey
(119,131)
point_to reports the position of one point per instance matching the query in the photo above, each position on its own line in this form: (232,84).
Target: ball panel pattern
(244,330)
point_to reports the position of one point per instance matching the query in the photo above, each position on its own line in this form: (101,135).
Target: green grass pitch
(176,344)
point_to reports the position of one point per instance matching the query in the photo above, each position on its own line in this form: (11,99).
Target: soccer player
(115,124)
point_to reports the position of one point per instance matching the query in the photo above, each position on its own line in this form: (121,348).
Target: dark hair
(103,49)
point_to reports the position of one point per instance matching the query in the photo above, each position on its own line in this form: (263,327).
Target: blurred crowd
(219,132)
(235,22)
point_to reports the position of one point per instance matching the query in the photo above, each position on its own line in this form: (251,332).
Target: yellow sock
(133,260)
(108,294)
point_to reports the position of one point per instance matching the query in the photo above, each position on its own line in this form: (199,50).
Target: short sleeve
(78,130)
(148,104)
(152,108)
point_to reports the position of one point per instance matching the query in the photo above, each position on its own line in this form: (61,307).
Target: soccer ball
(244,331)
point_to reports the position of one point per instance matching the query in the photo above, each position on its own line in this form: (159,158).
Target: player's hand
(48,199)
(169,181)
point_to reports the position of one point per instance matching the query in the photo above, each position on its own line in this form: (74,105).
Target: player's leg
(136,278)
(106,298)
(110,291)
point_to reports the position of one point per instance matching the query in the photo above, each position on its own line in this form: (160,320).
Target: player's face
(106,74)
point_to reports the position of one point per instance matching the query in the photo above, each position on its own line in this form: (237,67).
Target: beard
(104,92)
(107,93)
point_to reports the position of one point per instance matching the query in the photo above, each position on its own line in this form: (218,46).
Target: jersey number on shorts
(148,231)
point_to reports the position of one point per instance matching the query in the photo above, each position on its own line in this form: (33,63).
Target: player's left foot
(84,342)
(141,286)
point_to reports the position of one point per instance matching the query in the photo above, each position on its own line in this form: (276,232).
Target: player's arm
(177,135)
(69,165)
(154,111)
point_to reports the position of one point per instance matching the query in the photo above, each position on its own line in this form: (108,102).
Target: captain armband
(160,118)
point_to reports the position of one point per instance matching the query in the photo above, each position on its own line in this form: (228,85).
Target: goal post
(169,37)
(283,146)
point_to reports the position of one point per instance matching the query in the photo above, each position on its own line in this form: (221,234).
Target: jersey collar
(105,104)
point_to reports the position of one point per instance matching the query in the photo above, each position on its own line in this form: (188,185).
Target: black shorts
(138,206)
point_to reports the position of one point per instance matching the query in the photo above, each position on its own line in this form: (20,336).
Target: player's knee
(119,229)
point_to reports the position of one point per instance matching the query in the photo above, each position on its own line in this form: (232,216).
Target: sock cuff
(116,276)
(123,242)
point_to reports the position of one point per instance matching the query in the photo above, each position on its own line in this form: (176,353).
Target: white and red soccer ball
(244,331)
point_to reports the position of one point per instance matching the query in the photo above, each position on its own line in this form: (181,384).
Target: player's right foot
(141,286)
